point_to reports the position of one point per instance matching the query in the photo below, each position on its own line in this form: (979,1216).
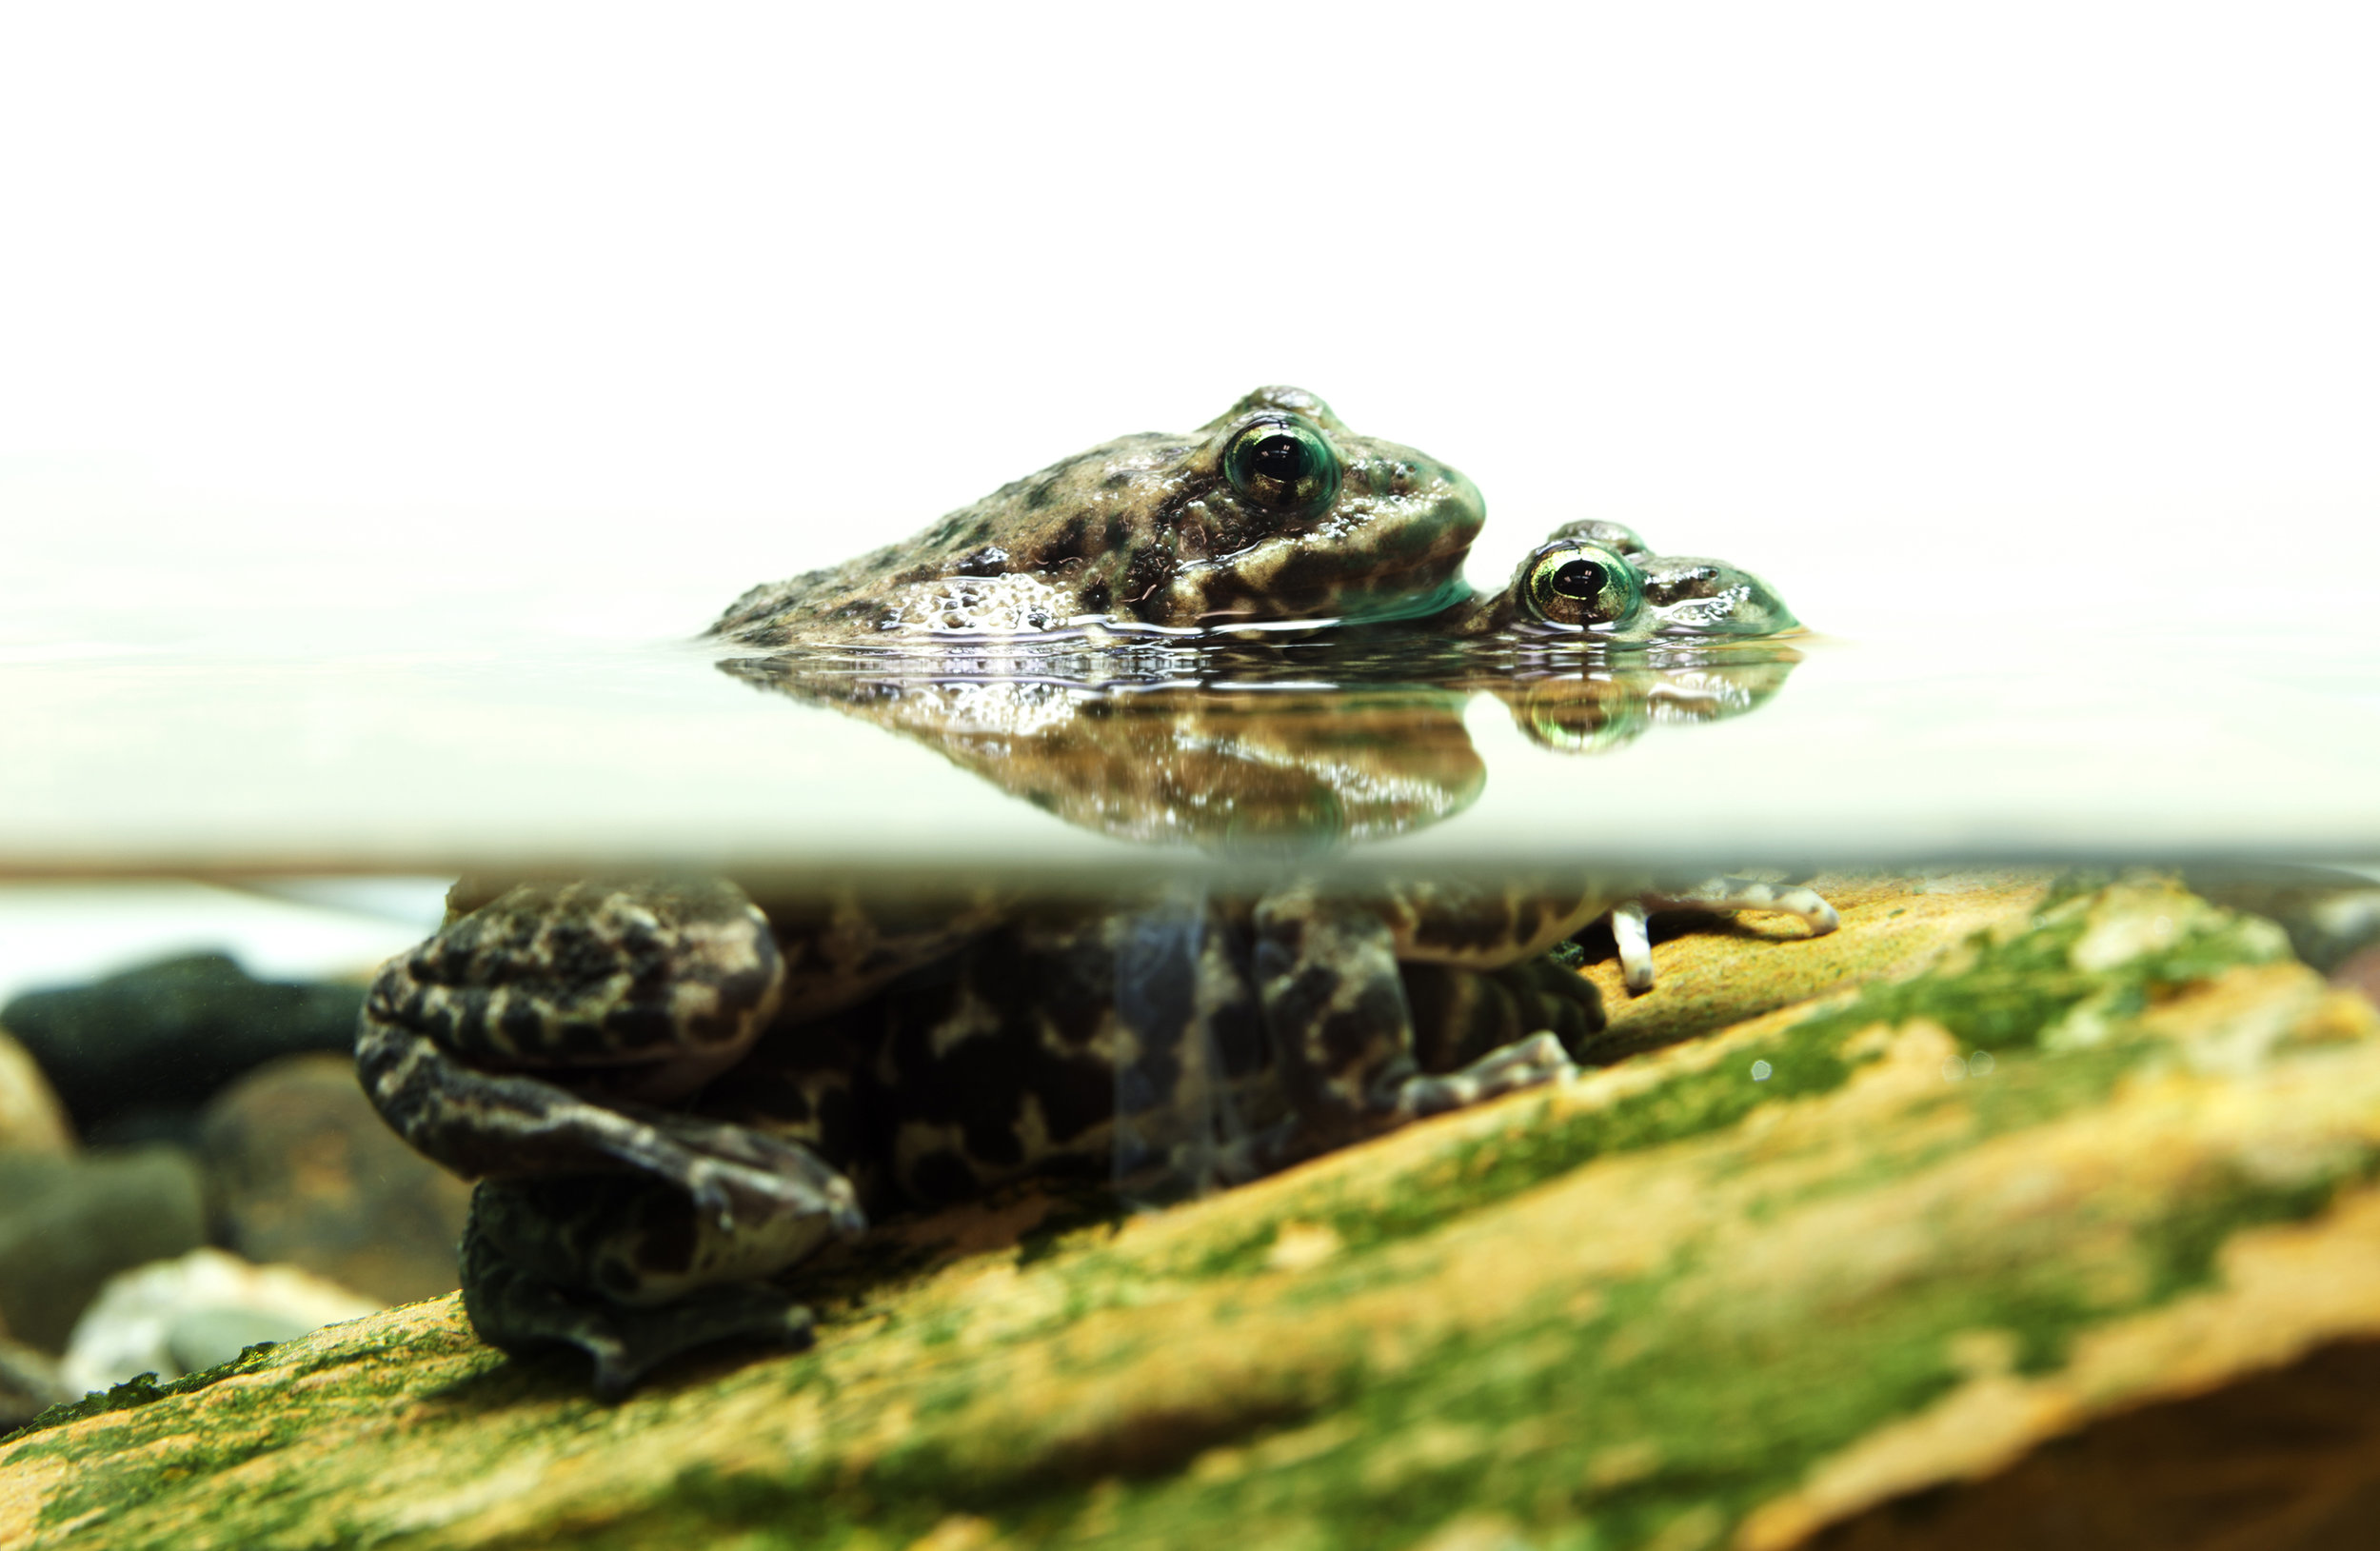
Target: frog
(1273,510)
(673,1095)
(1596,581)
(1272,514)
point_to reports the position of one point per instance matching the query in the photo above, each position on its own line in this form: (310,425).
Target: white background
(335,328)
(335,320)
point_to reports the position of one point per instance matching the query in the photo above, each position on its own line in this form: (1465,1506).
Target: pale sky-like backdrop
(333,321)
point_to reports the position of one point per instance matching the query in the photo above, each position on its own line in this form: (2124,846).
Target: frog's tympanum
(672,1095)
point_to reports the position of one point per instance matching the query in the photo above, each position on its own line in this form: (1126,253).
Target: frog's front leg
(1327,978)
(1630,931)
(536,1035)
(530,1042)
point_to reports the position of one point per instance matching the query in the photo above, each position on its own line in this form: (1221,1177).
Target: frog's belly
(1018,1055)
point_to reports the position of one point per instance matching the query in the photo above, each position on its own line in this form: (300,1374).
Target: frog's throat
(1454,589)
(1350,604)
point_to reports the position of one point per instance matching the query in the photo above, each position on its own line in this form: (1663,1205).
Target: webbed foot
(518,1312)
(1630,931)
(1526,1063)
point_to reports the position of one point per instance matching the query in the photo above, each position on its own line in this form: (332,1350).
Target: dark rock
(133,1055)
(67,1225)
(302,1171)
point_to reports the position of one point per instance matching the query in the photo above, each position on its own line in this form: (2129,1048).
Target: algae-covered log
(2111,1150)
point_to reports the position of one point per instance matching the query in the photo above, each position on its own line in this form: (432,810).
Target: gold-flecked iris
(1283,465)
(1581,587)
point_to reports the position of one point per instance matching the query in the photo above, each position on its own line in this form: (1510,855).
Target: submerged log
(2042,1169)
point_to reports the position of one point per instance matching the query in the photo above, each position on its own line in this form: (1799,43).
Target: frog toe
(738,1175)
(1635,940)
(1525,1063)
(1630,932)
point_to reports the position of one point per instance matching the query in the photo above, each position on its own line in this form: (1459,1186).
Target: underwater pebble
(178,1316)
(134,1055)
(300,1170)
(32,1119)
(2361,972)
(67,1225)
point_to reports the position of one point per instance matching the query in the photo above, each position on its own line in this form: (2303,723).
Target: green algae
(1656,1407)
(1720,1416)
(2000,993)
(141,1389)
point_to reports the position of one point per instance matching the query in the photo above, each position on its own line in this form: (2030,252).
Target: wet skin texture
(1273,511)
(671,1096)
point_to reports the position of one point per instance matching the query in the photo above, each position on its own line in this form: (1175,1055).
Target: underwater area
(1996,1151)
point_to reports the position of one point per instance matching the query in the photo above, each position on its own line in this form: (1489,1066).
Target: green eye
(1282,466)
(1583,586)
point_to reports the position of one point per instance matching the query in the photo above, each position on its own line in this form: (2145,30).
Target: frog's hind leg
(1632,934)
(524,1037)
(483,1123)
(1334,1003)
(614,1267)
(1461,1015)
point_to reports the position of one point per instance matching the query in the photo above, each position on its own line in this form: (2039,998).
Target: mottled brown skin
(1177,1045)
(1148,533)
(1685,598)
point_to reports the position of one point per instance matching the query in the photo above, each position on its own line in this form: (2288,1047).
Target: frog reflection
(1257,754)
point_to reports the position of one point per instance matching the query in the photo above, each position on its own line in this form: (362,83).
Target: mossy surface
(1662,1306)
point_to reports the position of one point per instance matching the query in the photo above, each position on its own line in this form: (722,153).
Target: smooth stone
(200,1337)
(67,1225)
(32,1119)
(135,1054)
(28,1384)
(300,1170)
(175,1316)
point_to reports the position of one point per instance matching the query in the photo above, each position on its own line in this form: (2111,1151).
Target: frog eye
(1283,465)
(1582,586)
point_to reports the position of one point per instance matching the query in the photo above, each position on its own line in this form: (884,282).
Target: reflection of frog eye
(1583,586)
(1283,465)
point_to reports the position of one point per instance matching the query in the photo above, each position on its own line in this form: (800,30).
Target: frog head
(1274,512)
(1282,513)
(1598,581)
